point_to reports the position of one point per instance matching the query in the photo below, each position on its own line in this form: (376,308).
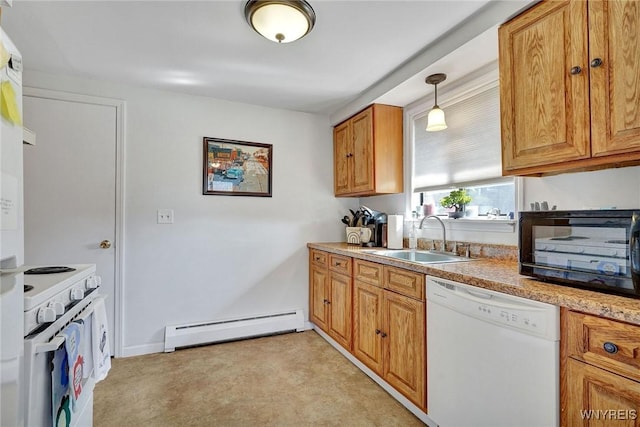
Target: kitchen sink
(422,257)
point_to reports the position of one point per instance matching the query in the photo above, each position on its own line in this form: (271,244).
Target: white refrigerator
(11,236)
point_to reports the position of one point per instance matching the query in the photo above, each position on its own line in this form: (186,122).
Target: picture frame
(236,168)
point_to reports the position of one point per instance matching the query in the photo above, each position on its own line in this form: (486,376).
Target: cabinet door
(340,306)
(342,150)
(615,84)
(367,325)
(362,159)
(404,343)
(318,285)
(544,107)
(596,397)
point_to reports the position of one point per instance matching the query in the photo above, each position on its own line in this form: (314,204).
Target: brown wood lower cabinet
(389,337)
(378,315)
(601,363)
(330,298)
(596,397)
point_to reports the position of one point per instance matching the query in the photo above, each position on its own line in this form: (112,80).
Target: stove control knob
(58,307)
(46,315)
(76,294)
(93,282)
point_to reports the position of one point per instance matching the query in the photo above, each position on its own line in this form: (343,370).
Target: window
(485,198)
(465,155)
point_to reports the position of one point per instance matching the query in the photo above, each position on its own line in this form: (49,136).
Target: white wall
(602,189)
(224,256)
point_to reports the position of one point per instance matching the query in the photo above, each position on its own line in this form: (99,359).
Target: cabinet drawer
(319,257)
(605,343)
(339,263)
(404,282)
(368,272)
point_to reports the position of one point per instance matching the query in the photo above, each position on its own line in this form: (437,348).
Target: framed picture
(236,168)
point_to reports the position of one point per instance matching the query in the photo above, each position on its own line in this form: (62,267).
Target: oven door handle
(57,341)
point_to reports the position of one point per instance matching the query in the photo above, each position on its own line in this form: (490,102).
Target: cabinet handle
(377,331)
(575,70)
(610,347)
(596,63)
(383,335)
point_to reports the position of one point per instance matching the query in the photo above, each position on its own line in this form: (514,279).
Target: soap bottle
(413,241)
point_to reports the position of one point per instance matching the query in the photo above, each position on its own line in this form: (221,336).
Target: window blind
(468,151)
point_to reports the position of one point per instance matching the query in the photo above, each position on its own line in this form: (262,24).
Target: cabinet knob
(610,347)
(377,331)
(383,335)
(327,301)
(596,63)
(575,70)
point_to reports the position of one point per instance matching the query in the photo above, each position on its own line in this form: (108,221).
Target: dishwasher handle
(477,294)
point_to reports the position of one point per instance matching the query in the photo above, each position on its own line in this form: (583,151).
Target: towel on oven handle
(73,345)
(100,341)
(60,390)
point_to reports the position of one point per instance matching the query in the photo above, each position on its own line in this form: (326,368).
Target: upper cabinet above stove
(570,92)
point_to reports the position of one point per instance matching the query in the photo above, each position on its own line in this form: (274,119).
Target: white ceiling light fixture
(281,21)
(435,120)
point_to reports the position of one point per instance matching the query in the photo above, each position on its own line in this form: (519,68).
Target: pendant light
(435,120)
(281,21)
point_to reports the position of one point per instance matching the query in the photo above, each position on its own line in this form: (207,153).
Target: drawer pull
(610,347)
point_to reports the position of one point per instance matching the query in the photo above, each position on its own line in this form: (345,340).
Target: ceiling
(207,48)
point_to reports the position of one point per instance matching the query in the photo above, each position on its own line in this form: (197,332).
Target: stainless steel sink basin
(422,257)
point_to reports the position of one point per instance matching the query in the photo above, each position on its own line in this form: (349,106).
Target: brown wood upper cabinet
(569,87)
(367,150)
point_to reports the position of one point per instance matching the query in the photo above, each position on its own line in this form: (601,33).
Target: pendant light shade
(435,119)
(281,21)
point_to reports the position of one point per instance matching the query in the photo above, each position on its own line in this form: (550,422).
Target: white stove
(49,296)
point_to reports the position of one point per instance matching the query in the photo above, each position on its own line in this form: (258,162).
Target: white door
(70,187)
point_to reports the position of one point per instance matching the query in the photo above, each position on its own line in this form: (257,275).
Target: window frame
(468,86)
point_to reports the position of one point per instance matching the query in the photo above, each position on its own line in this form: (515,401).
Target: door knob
(105,244)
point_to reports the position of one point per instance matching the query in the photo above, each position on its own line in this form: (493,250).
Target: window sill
(471,224)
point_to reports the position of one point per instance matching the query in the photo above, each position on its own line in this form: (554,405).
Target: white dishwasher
(492,358)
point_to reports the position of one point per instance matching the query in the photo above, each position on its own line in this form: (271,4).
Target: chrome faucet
(444,233)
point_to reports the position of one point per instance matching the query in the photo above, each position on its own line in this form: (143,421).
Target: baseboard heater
(227,330)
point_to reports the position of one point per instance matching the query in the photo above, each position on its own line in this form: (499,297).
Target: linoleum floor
(295,379)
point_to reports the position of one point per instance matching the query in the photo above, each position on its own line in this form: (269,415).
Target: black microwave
(591,249)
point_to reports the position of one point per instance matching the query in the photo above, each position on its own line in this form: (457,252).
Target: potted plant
(456,199)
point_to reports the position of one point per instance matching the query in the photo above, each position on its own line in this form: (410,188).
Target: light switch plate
(165,216)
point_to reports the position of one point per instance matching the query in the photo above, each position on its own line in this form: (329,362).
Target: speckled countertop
(502,276)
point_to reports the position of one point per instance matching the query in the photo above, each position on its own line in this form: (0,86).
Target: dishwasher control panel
(533,317)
